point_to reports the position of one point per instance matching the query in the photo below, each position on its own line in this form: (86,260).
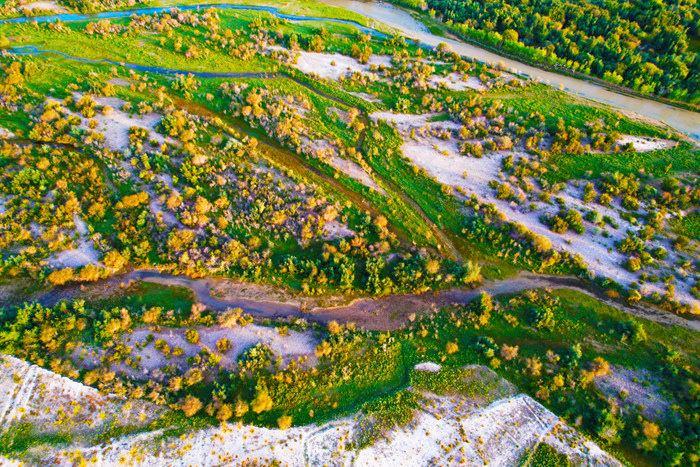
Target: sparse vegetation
(313,163)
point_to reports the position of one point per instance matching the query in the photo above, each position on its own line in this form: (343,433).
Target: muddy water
(395,311)
(685,121)
(384,313)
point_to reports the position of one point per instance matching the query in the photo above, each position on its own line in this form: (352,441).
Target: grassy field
(678,161)
(144,295)
(441,209)
(597,328)
(379,379)
(580,319)
(574,111)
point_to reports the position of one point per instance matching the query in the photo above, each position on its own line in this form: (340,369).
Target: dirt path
(383,313)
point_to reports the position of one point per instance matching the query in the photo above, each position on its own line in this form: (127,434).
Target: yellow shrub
(60,276)
(284,422)
(262,402)
(451,348)
(191,405)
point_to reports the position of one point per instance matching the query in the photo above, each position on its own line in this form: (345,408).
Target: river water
(685,121)
(72,17)
(383,313)
(367,311)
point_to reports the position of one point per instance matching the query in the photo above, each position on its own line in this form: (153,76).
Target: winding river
(73,17)
(383,313)
(34,50)
(685,121)
(393,311)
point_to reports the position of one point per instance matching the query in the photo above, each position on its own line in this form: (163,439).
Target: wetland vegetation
(293,161)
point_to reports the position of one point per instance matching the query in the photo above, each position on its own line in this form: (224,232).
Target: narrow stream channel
(382,313)
(682,120)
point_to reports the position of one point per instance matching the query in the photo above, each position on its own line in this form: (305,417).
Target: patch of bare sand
(115,123)
(76,257)
(161,213)
(441,160)
(334,230)
(119,82)
(6,134)
(84,254)
(645,144)
(634,388)
(404,123)
(335,66)
(326,152)
(288,346)
(354,170)
(367,97)
(431,367)
(340,113)
(457,82)
(53,403)
(446,430)
(36,7)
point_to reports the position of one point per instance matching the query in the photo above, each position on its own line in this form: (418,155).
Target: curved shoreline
(682,120)
(554,68)
(152,10)
(378,314)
